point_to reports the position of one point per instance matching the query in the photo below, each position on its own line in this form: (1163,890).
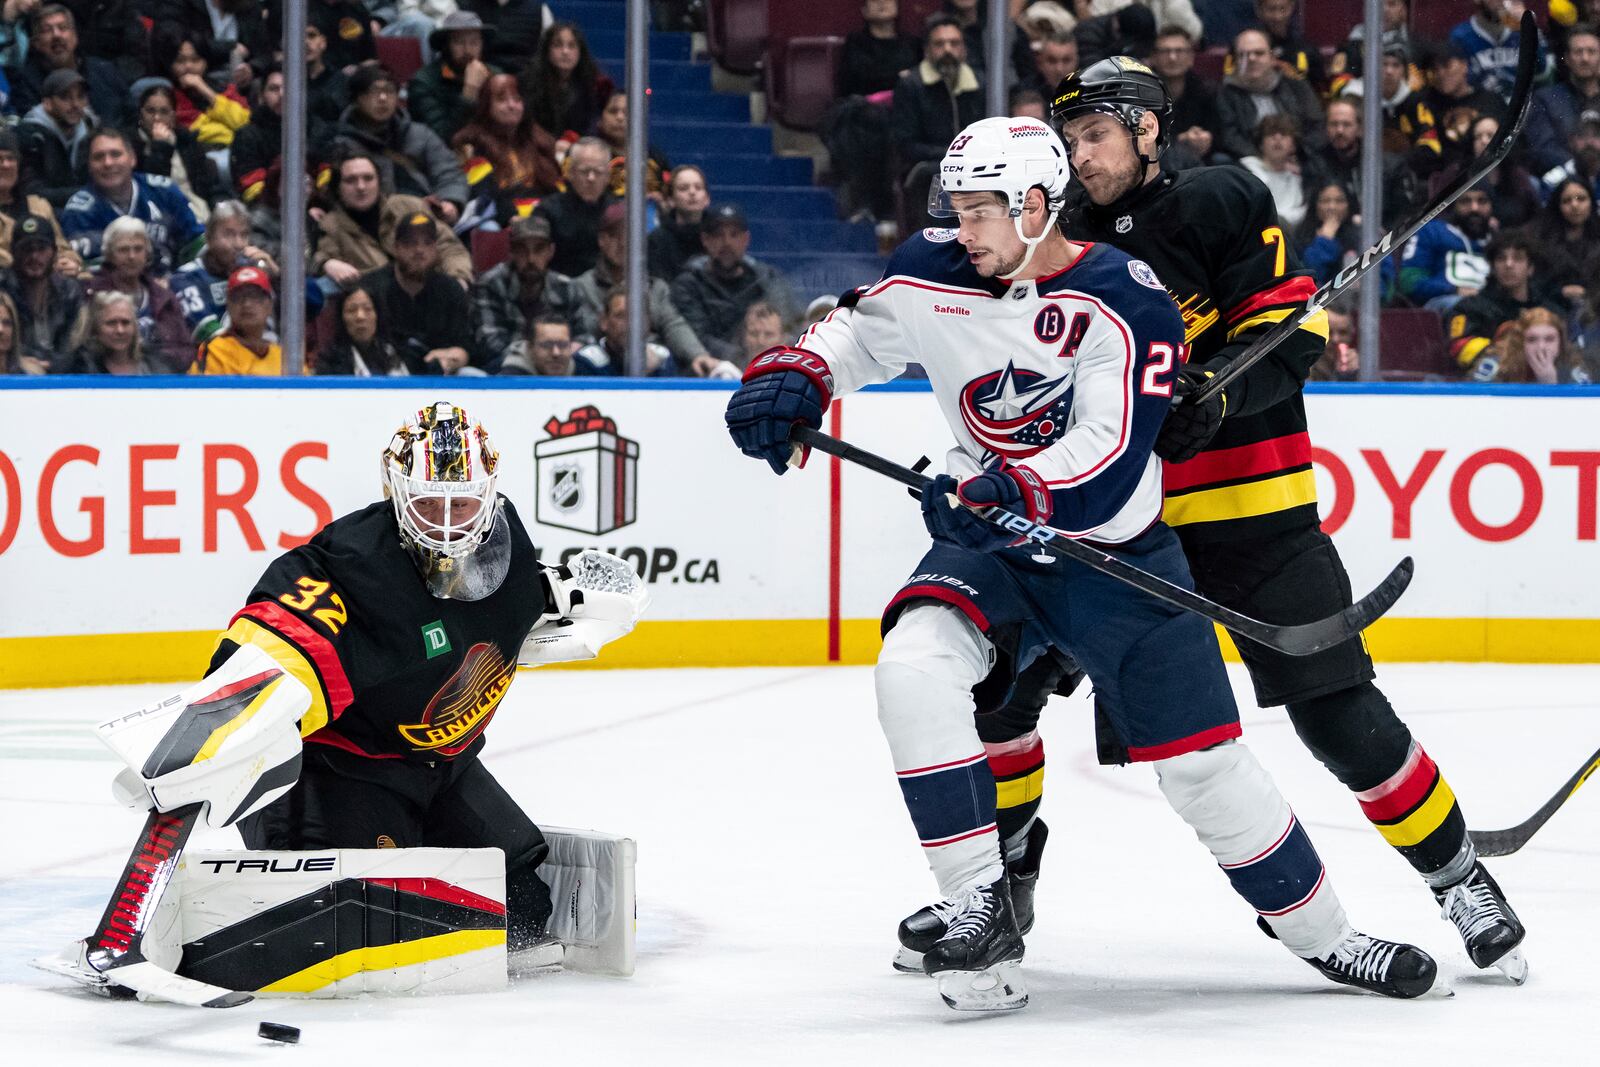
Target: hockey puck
(289,1035)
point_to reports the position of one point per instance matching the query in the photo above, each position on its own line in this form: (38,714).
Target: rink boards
(134,519)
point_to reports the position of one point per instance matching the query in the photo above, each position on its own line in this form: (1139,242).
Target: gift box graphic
(586,474)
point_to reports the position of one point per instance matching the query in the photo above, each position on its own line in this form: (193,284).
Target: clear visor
(450,518)
(969,206)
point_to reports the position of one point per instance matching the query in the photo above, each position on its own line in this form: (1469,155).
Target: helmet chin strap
(1030,243)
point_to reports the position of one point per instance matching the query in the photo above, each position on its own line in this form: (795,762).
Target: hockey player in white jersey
(1053,363)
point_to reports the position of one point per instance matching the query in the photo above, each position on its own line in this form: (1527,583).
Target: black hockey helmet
(1119,86)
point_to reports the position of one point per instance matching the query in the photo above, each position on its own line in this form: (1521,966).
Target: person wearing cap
(514,27)
(357,233)
(201,284)
(15,202)
(1456,103)
(509,296)
(52,46)
(427,313)
(676,238)
(1346,62)
(575,212)
(243,348)
(1257,87)
(1409,129)
(444,93)
(594,285)
(48,305)
(607,355)
(1583,158)
(54,138)
(115,189)
(1556,108)
(715,288)
(419,163)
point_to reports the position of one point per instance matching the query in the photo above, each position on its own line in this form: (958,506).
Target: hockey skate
(1387,967)
(978,961)
(919,930)
(1489,929)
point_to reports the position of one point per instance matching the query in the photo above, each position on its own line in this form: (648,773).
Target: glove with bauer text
(782,387)
(1189,427)
(1014,489)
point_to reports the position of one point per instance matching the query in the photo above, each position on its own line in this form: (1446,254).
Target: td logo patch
(435,640)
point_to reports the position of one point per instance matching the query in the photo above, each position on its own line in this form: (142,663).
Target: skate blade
(1514,965)
(997,988)
(539,956)
(906,961)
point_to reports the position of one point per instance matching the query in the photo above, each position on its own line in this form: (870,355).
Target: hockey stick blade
(1296,640)
(1505,842)
(1341,283)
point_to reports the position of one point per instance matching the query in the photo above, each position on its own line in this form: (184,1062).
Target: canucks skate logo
(1016,413)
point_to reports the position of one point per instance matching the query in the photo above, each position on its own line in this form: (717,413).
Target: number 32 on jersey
(333,615)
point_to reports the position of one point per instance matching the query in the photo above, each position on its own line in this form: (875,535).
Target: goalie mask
(439,472)
(1008,156)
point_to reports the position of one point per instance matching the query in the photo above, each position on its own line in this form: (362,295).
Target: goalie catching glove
(590,601)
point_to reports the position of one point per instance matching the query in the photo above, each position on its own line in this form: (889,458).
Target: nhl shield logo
(566,487)
(1124,224)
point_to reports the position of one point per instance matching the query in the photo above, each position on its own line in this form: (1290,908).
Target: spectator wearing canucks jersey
(1444,261)
(53,36)
(116,189)
(1490,40)
(201,284)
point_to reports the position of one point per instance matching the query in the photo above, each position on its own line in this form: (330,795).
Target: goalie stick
(113,955)
(1296,640)
(1491,157)
(1505,842)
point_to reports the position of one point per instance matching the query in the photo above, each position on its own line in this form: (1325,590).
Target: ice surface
(775,859)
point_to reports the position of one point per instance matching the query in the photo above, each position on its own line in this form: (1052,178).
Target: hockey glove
(782,387)
(1014,489)
(1189,426)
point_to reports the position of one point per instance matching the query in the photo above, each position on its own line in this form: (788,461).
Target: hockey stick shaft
(1295,640)
(1491,157)
(1505,842)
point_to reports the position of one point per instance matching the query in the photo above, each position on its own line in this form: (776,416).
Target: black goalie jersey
(394,672)
(1213,237)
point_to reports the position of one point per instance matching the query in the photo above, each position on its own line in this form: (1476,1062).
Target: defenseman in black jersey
(406,621)
(1241,495)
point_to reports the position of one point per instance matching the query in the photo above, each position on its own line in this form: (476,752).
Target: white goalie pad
(230,741)
(339,923)
(598,598)
(590,875)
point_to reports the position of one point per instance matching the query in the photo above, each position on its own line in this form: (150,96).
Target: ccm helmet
(1008,156)
(1121,87)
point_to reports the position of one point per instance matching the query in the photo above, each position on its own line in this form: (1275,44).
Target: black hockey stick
(1491,157)
(1297,640)
(1505,842)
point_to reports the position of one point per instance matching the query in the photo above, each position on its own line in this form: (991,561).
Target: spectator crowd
(467,217)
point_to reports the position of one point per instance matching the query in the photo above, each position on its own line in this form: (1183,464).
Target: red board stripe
(319,649)
(1289,291)
(440,890)
(1245,461)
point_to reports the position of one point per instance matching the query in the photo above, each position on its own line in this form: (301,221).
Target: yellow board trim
(1019,791)
(125,659)
(246,631)
(384,958)
(221,733)
(1242,501)
(1425,820)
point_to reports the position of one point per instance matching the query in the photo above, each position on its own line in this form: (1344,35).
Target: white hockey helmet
(439,472)
(1008,156)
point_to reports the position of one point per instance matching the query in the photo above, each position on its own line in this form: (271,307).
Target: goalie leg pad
(591,880)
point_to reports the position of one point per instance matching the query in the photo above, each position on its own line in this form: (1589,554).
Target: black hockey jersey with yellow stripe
(394,672)
(1213,237)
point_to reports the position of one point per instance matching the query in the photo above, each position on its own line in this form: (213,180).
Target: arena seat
(489,249)
(1411,341)
(401,56)
(736,33)
(801,79)
(1208,64)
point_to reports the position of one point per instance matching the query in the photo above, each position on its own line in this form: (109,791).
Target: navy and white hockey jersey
(174,232)
(1069,375)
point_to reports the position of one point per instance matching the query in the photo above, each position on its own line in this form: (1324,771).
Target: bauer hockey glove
(1189,426)
(1014,489)
(782,387)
